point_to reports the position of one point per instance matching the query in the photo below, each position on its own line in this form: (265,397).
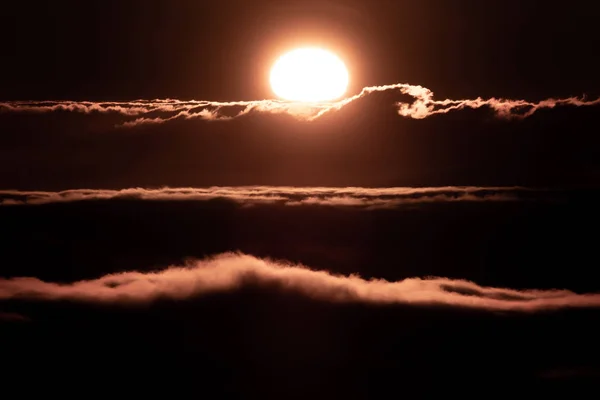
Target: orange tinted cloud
(228,272)
(423,105)
(292,196)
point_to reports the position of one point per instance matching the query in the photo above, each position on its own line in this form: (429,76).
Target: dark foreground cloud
(240,327)
(12,317)
(230,271)
(157,111)
(370,198)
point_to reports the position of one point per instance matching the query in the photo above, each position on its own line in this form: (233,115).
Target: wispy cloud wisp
(158,111)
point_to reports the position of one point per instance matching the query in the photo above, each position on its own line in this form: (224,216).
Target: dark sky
(222,51)
(111,50)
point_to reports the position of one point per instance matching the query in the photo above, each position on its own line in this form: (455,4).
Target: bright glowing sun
(309,75)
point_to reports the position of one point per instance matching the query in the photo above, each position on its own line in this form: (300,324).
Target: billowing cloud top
(230,271)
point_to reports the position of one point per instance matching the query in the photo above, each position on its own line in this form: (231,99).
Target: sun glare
(309,75)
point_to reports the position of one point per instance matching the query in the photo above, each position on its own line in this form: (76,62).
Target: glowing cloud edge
(159,111)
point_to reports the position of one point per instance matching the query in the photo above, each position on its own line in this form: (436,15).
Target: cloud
(158,111)
(230,271)
(370,198)
(13,317)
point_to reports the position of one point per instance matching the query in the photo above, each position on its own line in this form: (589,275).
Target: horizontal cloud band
(370,198)
(140,112)
(228,272)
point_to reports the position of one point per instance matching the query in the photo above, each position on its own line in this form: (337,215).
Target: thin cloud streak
(230,271)
(158,111)
(13,317)
(369,198)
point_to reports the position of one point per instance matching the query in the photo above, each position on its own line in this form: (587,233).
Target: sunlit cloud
(158,111)
(368,198)
(232,271)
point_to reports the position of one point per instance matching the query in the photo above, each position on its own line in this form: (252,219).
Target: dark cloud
(92,277)
(12,317)
(370,198)
(271,329)
(141,112)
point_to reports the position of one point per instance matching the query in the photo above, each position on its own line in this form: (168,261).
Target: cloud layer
(293,196)
(157,111)
(230,271)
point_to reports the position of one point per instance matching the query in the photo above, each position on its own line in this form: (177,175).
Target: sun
(309,75)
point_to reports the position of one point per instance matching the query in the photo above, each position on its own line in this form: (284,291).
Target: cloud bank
(158,111)
(370,198)
(230,271)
